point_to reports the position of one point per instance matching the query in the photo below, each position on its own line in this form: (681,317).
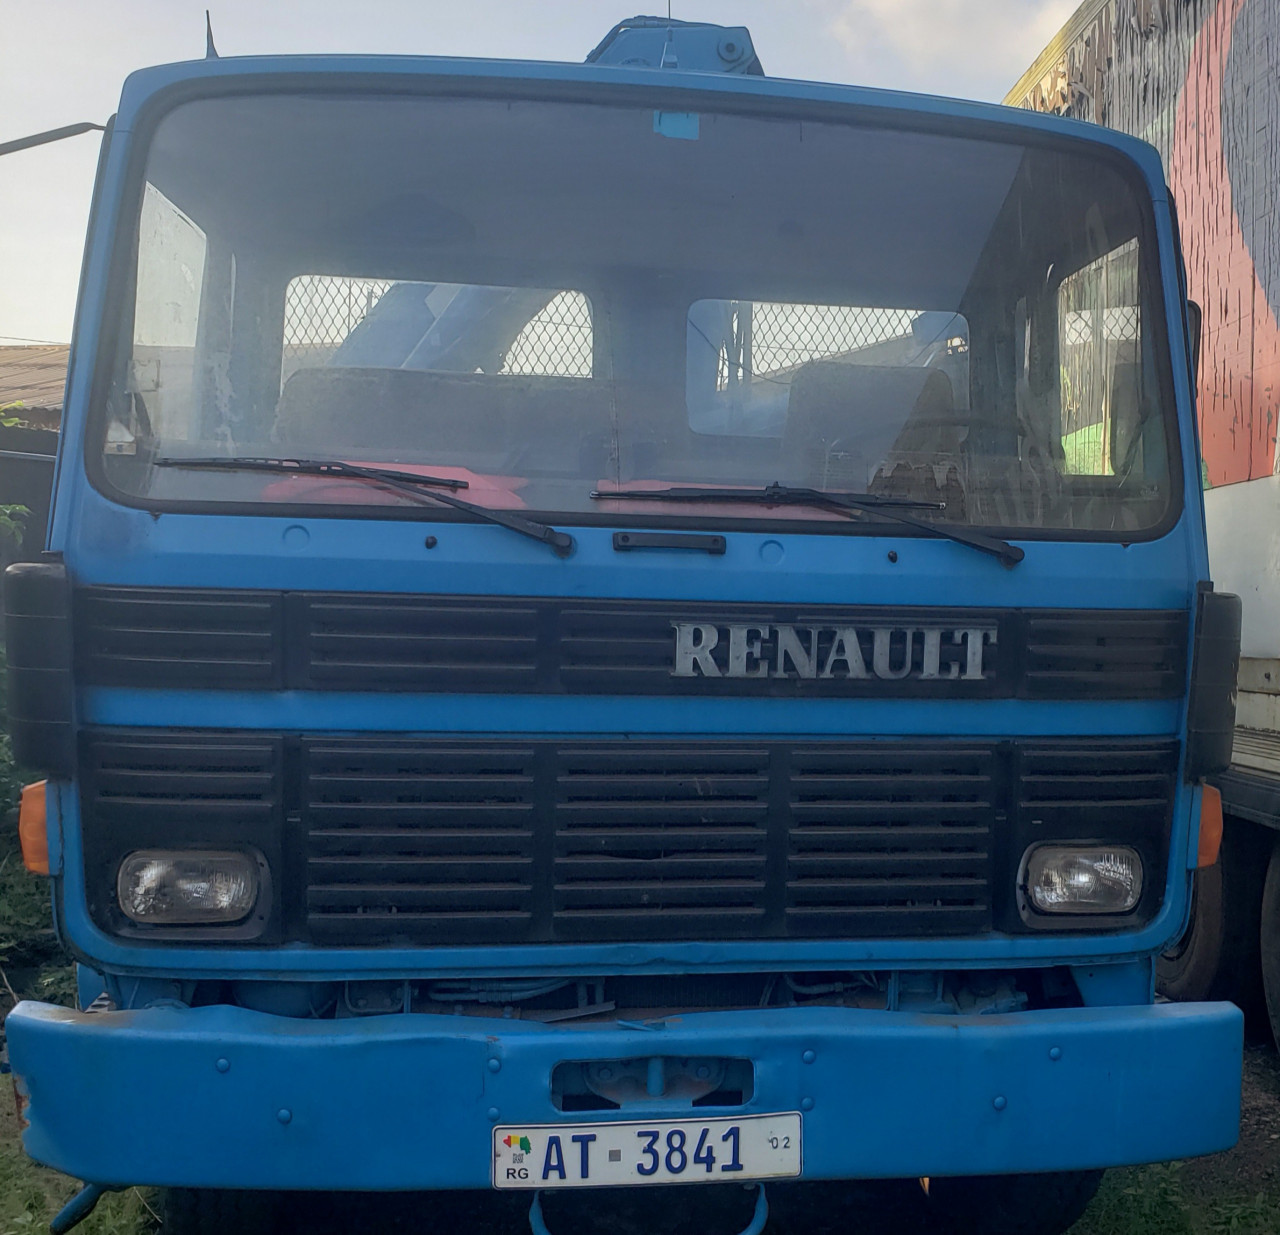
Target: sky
(63,61)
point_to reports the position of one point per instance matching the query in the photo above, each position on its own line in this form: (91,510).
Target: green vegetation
(1162,1200)
(12,518)
(31,961)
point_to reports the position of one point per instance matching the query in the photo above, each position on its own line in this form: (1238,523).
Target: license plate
(656,1151)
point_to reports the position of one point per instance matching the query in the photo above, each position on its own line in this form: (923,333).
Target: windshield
(552,300)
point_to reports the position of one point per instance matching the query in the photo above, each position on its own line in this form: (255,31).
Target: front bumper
(225,1097)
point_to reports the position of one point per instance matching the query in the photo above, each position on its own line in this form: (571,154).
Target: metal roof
(33,375)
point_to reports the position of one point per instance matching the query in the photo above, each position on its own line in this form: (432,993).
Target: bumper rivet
(493,1114)
(1055,1053)
(223,1065)
(809,1056)
(284,1114)
(495,1065)
(999,1102)
(806,1104)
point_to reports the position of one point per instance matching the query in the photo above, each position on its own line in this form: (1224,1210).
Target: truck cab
(623,623)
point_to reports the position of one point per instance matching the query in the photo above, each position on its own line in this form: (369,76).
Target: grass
(1160,1200)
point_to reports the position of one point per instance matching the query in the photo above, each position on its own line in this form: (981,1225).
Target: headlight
(167,888)
(1082,878)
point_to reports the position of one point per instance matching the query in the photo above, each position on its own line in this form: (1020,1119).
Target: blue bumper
(222,1097)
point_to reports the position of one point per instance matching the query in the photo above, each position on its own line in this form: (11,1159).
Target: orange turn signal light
(32,829)
(1210,826)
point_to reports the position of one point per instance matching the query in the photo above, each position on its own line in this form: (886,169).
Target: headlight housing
(164,887)
(1082,879)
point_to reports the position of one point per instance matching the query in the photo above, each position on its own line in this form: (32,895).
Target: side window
(171,269)
(1100,362)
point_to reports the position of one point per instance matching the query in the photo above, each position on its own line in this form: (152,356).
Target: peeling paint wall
(1200,80)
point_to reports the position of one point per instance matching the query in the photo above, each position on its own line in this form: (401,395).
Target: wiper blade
(850,504)
(771,495)
(419,488)
(309,467)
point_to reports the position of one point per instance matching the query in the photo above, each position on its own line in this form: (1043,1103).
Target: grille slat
(388,871)
(597,870)
(838,839)
(446,800)
(868,865)
(838,810)
(470,897)
(882,892)
(686,812)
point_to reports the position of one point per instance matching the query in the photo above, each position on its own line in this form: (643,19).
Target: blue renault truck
(618,624)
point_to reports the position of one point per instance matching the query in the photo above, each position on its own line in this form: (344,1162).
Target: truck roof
(166,85)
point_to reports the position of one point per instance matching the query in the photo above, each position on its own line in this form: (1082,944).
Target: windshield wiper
(419,488)
(850,504)
(309,467)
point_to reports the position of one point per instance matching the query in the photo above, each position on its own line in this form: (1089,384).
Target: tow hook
(761,1215)
(78,1208)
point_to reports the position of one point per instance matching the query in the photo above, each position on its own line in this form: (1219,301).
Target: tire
(1269,941)
(1218,955)
(216,1211)
(1011,1204)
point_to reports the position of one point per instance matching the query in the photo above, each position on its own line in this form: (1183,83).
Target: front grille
(411,644)
(656,840)
(1123,787)
(383,840)
(890,839)
(179,637)
(206,783)
(170,638)
(419,841)
(1122,655)
(427,842)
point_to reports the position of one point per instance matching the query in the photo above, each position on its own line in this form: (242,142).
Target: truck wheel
(1011,1204)
(1217,956)
(217,1211)
(1269,938)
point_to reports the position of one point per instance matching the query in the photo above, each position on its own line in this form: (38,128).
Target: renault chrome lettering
(927,653)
